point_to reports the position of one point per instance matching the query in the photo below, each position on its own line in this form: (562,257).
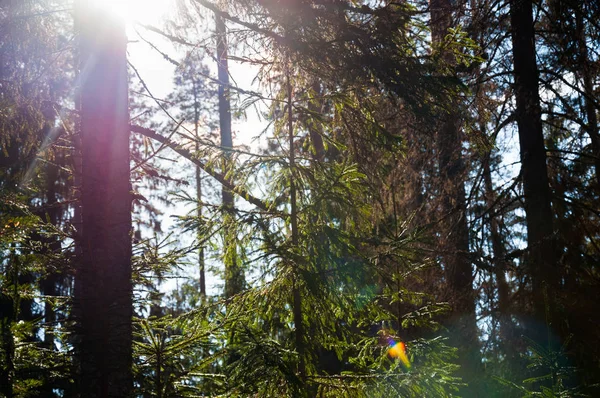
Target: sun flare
(134,11)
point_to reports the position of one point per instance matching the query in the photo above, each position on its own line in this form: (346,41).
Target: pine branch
(209,170)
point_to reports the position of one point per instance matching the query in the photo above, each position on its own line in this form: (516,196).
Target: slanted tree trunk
(541,260)
(103,296)
(455,231)
(234,279)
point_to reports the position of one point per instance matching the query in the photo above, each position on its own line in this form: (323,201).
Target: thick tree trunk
(103,296)
(455,234)
(541,259)
(234,279)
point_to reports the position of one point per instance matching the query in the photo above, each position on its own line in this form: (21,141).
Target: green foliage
(553,376)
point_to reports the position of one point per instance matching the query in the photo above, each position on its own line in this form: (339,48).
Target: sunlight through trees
(332,199)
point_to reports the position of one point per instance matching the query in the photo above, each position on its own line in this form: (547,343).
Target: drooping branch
(242,192)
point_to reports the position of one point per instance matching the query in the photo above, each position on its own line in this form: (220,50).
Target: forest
(335,198)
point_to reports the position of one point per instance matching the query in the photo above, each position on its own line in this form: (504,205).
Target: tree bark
(541,261)
(103,296)
(234,279)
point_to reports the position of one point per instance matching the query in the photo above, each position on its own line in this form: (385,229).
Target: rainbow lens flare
(398,350)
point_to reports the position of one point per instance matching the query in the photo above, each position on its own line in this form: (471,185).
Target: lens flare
(131,11)
(396,350)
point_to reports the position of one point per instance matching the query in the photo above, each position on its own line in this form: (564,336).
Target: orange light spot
(398,350)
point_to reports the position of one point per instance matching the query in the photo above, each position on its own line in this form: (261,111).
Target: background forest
(419,216)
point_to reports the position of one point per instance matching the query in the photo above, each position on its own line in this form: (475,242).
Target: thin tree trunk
(541,261)
(297,297)
(104,293)
(234,280)
(315,132)
(201,263)
(500,267)
(49,284)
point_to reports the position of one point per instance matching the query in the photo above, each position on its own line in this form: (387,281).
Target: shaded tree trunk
(458,269)
(50,282)
(541,261)
(103,295)
(7,345)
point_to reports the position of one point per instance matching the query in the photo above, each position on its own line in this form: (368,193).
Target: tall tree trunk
(234,280)
(50,282)
(500,264)
(201,263)
(541,261)
(50,247)
(296,294)
(455,235)
(103,296)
